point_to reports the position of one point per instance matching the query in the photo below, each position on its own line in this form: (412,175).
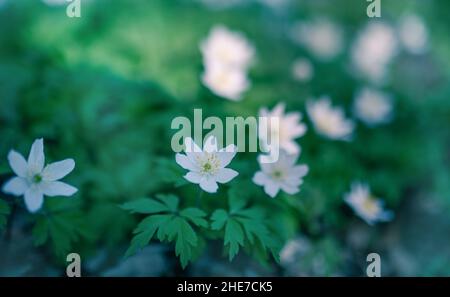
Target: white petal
(209,185)
(18,163)
(278,110)
(289,189)
(57,188)
(191,146)
(210,144)
(271,189)
(193,177)
(227,154)
(185,162)
(16,186)
(33,199)
(58,170)
(300,170)
(260,178)
(225,175)
(291,147)
(36,158)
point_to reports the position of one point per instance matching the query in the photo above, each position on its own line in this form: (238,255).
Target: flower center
(37,178)
(277,174)
(207,167)
(210,164)
(370,206)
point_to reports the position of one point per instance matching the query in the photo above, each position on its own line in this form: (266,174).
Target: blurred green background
(104,88)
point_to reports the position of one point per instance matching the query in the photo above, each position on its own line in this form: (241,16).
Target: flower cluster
(227,56)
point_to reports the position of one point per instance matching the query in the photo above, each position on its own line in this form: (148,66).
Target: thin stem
(199,198)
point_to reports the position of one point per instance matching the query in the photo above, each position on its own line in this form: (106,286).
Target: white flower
(224,81)
(288,129)
(231,49)
(321,37)
(302,70)
(207,167)
(365,205)
(33,180)
(281,175)
(372,106)
(413,34)
(373,50)
(329,121)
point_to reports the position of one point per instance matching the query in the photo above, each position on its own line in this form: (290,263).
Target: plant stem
(199,198)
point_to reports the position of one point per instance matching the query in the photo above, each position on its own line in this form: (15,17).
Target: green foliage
(60,227)
(243,226)
(4,212)
(166,222)
(104,89)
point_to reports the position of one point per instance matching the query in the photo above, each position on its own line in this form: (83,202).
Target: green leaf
(234,237)
(169,224)
(145,206)
(196,216)
(244,227)
(170,200)
(61,230)
(219,218)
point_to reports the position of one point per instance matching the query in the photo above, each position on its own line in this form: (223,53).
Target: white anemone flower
(207,167)
(231,49)
(374,50)
(288,128)
(369,208)
(329,121)
(33,180)
(413,34)
(302,70)
(321,37)
(281,175)
(226,82)
(373,107)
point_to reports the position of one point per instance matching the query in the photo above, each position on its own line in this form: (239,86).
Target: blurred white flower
(292,250)
(231,49)
(413,34)
(372,106)
(302,70)
(33,181)
(373,50)
(329,121)
(323,38)
(281,175)
(366,206)
(224,81)
(287,130)
(226,57)
(207,167)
